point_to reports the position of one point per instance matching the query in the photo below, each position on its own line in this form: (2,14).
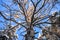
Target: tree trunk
(30,34)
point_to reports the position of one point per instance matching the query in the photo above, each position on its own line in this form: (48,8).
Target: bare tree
(28,14)
(52,32)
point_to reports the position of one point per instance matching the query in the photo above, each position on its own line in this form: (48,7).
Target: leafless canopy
(27,14)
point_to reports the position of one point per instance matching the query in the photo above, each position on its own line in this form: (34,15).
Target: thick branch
(11,20)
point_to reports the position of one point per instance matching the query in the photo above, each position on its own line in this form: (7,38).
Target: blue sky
(16,7)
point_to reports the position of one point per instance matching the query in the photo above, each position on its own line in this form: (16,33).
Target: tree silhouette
(27,14)
(52,32)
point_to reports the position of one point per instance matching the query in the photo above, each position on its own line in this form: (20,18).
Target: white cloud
(39,35)
(7,14)
(35,39)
